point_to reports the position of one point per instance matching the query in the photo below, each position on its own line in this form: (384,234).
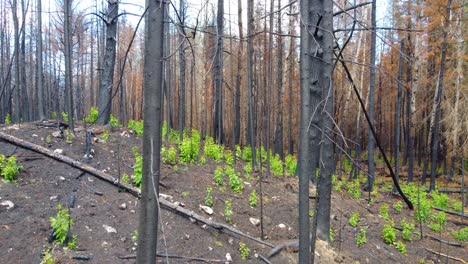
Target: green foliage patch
(244,250)
(461,235)
(168,156)
(136,126)
(209,197)
(212,150)
(253,198)
(190,147)
(354,219)
(9,167)
(137,167)
(361,238)
(93,115)
(276,165)
(290,162)
(61,224)
(389,233)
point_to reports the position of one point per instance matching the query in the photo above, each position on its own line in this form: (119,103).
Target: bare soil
(44,183)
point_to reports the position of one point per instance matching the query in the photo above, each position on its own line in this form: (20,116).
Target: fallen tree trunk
(446,242)
(450,212)
(133,190)
(452,191)
(67,160)
(444,255)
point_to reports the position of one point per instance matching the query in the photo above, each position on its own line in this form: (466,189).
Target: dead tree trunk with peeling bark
(153,77)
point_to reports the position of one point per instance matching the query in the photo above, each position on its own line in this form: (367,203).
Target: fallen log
(453,191)
(445,241)
(132,190)
(162,255)
(450,212)
(67,160)
(446,256)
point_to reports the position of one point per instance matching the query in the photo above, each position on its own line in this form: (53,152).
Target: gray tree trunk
(152,92)
(16,94)
(305,158)
(182,10)
(218,117)
(279,118)
(40,74)
(68,59)
(107,78)
(239,77)
(438,98)
(24,86)
(291,61)
(250,29)
(327,157)
(398,111)
(371,139)
(91,69)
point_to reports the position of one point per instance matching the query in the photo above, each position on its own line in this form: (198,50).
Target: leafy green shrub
(209,197)
(291,164)
(202,160)
(354,220)
(9,167)
(61,224)
(168,156)
(347,164)
(228,210)
(137,167)
(398,206)
(229,157)
(389,234)
(440,199)
(248,168)
(7,119)
(260,152)
(244,250)
(461,235)
(105,135)
(190,147)
(407,231)
(47,257)
(456,205)
(73,243)
(235,183)
(401,247)
(212,150)
(114,121)
(136,126)
(247,154)
(276,165)
(93,115)
(53,115)
(438,222)
(361,238)
(383,212)
(164,130)
(173,136)
(218,176)
(338,185)
(331,235)
(354,189)
(253,198)
(69,136)
(65,117)
(134,236)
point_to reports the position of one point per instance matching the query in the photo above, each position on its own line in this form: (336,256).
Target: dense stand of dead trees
(415,92)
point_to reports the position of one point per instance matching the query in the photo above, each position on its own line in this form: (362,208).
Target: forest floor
(43,183)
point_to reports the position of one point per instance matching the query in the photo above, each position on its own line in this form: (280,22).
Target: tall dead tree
(371,139)
(250,59)
(40,74)
(398,111)
(218,80)
(182,69)
(17,87)
(107,78)
(239,77)
(68,60)
(324,59)
(291,62)
(24,87)
(153,79)
(435,117)
(278,148)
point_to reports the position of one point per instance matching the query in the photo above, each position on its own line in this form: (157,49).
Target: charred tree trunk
(218,115)
(438,98)
(153,79)
(107,78)
(17,87)
(182,71)
(398,111)
(68,60)
(250,29)
(279,118)
(40,74)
